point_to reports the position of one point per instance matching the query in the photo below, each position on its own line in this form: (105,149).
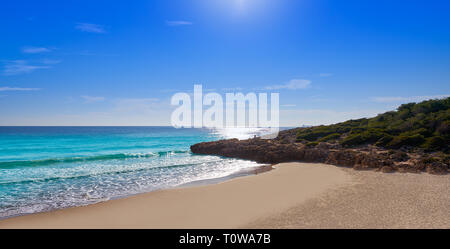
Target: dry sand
(293,195)
(378,200)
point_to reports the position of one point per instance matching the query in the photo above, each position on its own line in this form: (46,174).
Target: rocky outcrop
(284,149)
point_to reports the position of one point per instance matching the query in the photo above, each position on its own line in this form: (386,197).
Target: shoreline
(255,170)
(292,195)
(240,173)
(229,204)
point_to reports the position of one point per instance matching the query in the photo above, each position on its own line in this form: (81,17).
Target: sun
(239,9)
(242,5)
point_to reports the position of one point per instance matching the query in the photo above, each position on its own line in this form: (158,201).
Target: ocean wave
(121,171)
(50,161)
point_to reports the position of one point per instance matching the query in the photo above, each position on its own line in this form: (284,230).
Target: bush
(368,136)
(333,136)
(357,130)
(434,143)
(444,128)
(425,124)
(352,140)
(314,133)
(403,140)
(312,144)
(312,136)
(383,141)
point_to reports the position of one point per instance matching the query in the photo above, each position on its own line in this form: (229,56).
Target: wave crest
(50,161)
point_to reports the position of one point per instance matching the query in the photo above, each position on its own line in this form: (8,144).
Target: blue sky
(119,62)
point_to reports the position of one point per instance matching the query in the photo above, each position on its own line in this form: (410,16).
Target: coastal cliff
(414,138)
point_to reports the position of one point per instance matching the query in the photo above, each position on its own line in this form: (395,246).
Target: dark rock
(387,169)
(437,168)
(402,168)
(342,158)
(400,156)
(285,149)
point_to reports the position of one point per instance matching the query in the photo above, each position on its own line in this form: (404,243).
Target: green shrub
(425,124)
(352,140)
(383,141)
(419,131)
(434,143)
(357,130)
(312,136)
(312,144)
(400,141)
(444,128)
(368,136)
(332,136)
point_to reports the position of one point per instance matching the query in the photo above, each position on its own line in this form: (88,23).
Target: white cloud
(90,28)
(35,50)
(178,23)
(407,99)
(20,67)
(92,99)
(294,84)
(6,88)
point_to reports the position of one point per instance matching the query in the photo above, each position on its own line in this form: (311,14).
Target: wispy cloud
(90,28)
(294,84)
(178,23)
(92,99)
(407,99)
(6,88)
(35,50)
(20,67)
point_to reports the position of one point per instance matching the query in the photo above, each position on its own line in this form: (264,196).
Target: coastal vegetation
(424,125)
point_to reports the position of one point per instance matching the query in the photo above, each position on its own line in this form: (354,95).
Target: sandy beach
(376,200)
(293,195)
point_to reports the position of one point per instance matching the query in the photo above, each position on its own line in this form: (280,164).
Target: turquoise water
(46,168)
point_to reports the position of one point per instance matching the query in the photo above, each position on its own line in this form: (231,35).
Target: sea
(47,168)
